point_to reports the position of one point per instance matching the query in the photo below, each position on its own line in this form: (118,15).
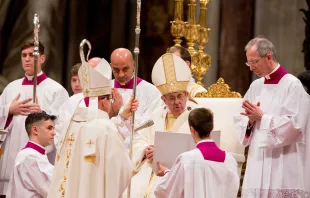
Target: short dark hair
(185,55)
(75,69)
(201,119)
(30,43)
(33,118)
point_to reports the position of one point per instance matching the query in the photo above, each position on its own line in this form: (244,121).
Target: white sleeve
(172,183)
(31,175)
(288,127)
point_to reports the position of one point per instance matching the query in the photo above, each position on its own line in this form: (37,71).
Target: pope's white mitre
(95,82)
(170,74)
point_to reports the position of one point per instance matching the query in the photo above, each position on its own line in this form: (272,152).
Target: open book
(168,146)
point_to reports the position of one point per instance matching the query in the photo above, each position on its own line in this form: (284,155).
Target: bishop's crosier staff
(136,52)
(35,54)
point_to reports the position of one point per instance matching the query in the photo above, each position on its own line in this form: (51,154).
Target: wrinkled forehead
(252,53)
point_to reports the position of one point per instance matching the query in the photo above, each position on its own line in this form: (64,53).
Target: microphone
(144,125)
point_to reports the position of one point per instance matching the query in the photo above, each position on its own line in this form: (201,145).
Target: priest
(274,123)
(193,173)
(91,143)
(15,105)
(32,173)
(171,76)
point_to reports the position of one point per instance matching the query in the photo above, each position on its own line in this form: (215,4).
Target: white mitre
(95,81)
(171,74)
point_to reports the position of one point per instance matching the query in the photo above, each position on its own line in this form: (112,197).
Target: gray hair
(264,46)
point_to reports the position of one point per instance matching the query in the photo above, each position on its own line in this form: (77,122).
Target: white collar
(37,144)
(31,77)
(205,140)
(273,71)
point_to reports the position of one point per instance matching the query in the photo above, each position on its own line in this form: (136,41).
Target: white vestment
(193,88)
(31,176)
(144,182)
(278,160)
(50,94)
(192,176)
(92,160)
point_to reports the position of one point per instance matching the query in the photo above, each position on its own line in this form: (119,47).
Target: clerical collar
(36,147)
(128,85)
(276,75)
(205,140)
(28,80)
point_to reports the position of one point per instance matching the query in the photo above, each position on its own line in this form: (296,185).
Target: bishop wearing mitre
(171,76)
(92,160)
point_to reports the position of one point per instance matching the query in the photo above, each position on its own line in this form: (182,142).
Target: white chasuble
(92,160)
(50,95)
(278,160)
(144,182)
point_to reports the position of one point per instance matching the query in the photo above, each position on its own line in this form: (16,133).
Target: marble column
(282,23)
(236,29)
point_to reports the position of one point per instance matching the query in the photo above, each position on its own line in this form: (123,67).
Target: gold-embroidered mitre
(94,81)
(170,74)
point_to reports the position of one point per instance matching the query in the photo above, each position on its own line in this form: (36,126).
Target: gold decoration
(90,158)
(219,90)
(90,143)
(178,26)
(171,85)
(193,33)
(70,139)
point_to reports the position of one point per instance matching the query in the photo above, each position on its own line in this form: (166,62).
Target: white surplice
(279,154)
(31,176)
(50,94)
(144,138)
(92,160)
(192,176)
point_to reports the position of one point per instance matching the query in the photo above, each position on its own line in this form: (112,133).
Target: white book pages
(168,146)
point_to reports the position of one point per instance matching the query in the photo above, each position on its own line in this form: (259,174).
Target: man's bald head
(94,61)
(122,65)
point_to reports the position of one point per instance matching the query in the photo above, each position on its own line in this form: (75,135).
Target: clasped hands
(252,111)
(24,107)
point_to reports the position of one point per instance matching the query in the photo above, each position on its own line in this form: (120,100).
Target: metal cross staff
(36,53)
(136,52)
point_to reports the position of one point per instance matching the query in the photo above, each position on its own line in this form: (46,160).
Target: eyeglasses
(107,98)
(172,99)
(251,63)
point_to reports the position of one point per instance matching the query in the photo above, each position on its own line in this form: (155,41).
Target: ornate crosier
(201,61)
(36,53)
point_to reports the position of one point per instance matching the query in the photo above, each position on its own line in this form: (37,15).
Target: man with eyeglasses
(92,160)
(274,124)
(171,76)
